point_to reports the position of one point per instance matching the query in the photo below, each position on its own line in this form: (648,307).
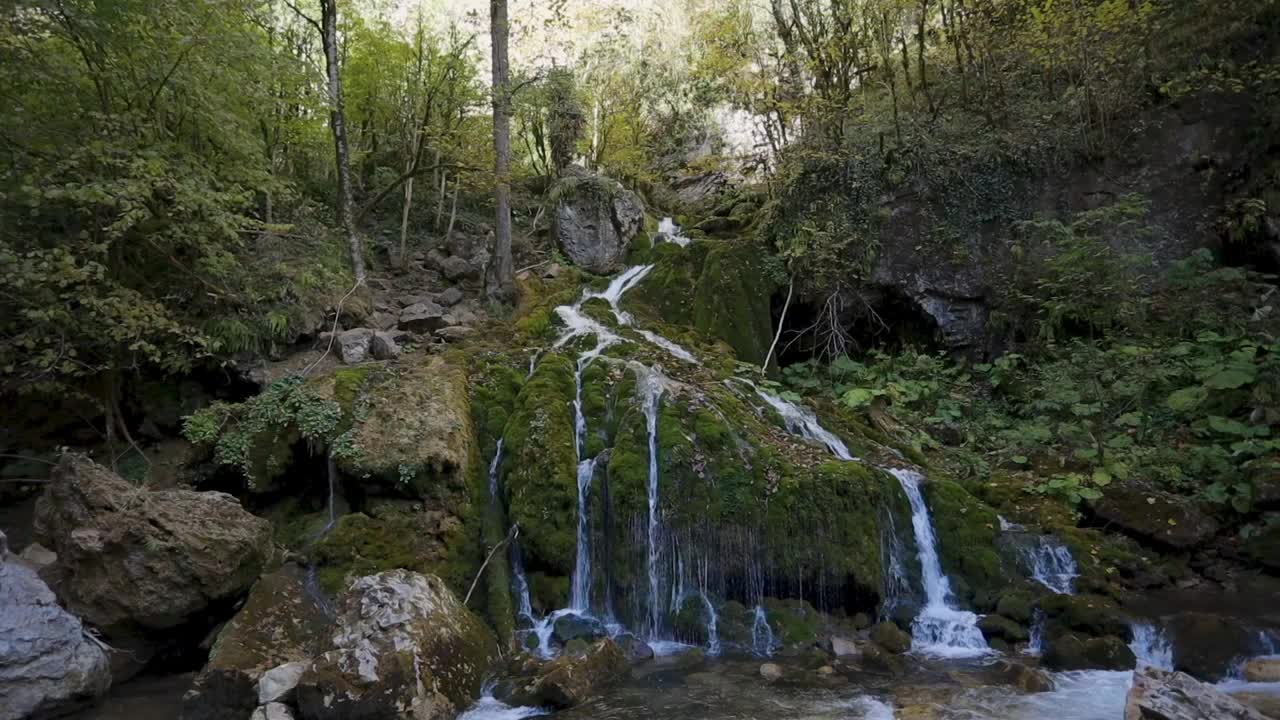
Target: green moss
(347,382)
(966,529)
(540,466)
(732,300)
(794,622)
(548,592)
(360,545)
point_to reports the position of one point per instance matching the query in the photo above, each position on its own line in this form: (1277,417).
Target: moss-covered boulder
(404,648)
(1086,615)
(890,637)
(966,529)
(997,626)
(1072,652)
(412,434)
(279,623)
(540,466)
(393,534)
(568,680)
(720,289)
(1157,516)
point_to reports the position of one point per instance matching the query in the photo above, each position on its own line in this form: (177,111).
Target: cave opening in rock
(852,322)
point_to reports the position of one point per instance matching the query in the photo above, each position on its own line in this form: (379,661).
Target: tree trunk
(338,124)
(499,278)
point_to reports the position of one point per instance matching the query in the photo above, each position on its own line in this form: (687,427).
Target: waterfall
(940,629)
(1035,645)
(761,634)
(897,583)
(520,584)
(671,230)
(331,470)
(801,421)
(580,596)
(1150,646)
(652,386)
(1051,565)
(713,626)
(1267,644)
(493,472)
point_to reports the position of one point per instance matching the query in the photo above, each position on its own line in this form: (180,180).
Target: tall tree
(328,27)
(499,278)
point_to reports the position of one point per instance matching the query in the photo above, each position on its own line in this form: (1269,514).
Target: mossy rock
(1072,652)
(540,466)
(415,435)
(1001,627)
(1089,615)
(890,637)
(794,622)
(718,288)
(1017,605)
(397,534)
(966,530)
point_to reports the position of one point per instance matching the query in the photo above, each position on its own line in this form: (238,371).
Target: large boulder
(130,559)
(1072,652)
(1206,645)
(891,637)
(1160,695)
(48,663)
(406,648)
(1156,516)
(280,624)
(569,679)
(595,221)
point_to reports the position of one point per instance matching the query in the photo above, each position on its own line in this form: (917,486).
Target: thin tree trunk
(404,218)
(499,278)
(453,213)
(338,124)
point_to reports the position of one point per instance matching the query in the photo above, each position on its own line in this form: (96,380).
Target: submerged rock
(595,221)
(578,627)
(280,626)
(569,679)
(130,558)
(1027,679)
(1160,695)
(48,664)
(771,672)
(635,649)
(405,647)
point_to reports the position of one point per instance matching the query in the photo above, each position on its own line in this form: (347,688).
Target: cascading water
(580,596)
(1035,643)
(1051,564)
(1150,646)
(897,581)
(939,629)
(761,634)
(331,467)
(671,230)
(801,421)
(652,386)
(493,472)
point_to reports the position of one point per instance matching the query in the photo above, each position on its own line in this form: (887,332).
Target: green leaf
(858,397)
(1187,398)
(1019,459)
(1227,426)
(1101,478)
(1231,378)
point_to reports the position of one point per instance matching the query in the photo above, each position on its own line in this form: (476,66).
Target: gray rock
(1157,515)
(353,345)
(595,221)
(273,711)
(635,649)
(458,268)
(37,556)
(383,346)
(405,648)
(423,317)
(449,297)
(455,333)
(771,672)
(130,558)
(278,684)
(1207,645)
(47,663)
(569,679)
(1160,695)
(841,647)
(383,320)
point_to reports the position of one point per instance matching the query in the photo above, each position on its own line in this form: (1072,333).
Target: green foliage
(255,436)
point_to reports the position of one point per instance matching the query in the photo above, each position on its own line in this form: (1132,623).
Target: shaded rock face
(1157,516)
(47,662)
(595,221)
(891,637)
(1160,695)
(405,648)
(569,679)
(1206,645)
(279,624)
(131,559)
